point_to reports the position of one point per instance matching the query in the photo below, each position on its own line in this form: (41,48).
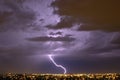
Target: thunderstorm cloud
(84,35)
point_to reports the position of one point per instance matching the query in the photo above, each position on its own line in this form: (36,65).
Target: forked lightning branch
(60,66)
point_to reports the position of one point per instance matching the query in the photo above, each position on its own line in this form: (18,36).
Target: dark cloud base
(44,39)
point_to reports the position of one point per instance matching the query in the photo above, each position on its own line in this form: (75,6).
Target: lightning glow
(50,56)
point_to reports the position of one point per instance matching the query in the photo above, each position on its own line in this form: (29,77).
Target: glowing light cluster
(60,66)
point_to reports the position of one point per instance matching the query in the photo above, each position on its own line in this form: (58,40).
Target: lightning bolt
(60,66)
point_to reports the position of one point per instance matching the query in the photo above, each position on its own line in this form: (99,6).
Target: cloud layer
(79,33)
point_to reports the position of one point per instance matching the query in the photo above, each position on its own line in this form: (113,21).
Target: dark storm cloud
(93,27)
(69,35)
(108,51)
(45,38)
(66,22)
(98,15)
(116,40)
(14,16)
(98,44)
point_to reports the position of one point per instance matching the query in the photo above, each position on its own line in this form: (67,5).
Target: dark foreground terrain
(107,76)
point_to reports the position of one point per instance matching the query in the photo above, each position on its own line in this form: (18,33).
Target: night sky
(83,36)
